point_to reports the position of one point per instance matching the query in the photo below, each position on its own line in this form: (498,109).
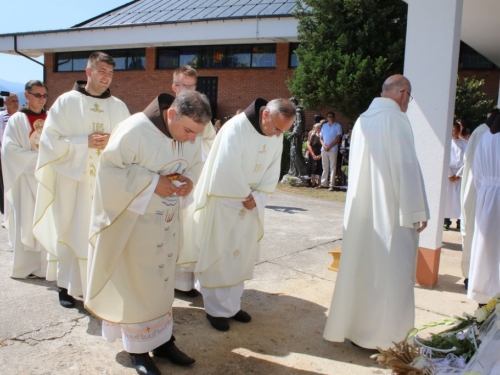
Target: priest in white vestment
(151,163)
(484,273)
(452,205)
(76,131)
(185,78)
(386,207)
(226,221)
(20,143)
(468,193)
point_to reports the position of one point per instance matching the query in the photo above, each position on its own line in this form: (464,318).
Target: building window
(218,57)
(294,61)
(471,59)
(190,56)
(264,56)
(125,59)
(239,56)
(168,58)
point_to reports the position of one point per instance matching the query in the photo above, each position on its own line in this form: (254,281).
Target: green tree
(348,48)
(471,105)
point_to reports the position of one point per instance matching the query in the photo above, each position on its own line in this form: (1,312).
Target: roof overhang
(480,28)
(228,31)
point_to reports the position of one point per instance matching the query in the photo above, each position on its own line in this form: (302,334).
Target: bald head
(397,88)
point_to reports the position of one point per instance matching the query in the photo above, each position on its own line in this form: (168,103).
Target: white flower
(497,297)
(420,363)
(472,372)
(481,315)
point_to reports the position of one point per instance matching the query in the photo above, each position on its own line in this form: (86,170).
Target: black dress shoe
(466,283)
(220,324)
(193,293)
(144,365)
(242,316)
(65,300)
(170,351)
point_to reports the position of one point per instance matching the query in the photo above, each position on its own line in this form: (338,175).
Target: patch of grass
(335,196)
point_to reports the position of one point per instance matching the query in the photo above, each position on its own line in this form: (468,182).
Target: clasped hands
(98,140)
(165,187)
(453,178)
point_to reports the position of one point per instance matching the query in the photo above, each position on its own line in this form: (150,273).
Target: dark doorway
(208,86)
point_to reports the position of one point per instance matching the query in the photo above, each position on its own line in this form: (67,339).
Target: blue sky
(36,15)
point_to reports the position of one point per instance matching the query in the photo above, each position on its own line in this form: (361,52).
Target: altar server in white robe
(152,160)
(19,157)
(468,193)
(76,131)
(185,78)
(484,274)
(386,207)
(226,221)
(452,206)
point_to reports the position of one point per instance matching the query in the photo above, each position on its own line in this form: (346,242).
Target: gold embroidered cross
(96,108)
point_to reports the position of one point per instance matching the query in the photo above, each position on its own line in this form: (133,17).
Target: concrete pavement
(288,300)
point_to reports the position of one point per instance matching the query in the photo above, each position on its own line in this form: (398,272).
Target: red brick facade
(237,88)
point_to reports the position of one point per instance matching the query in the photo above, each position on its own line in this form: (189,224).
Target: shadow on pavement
(287,210)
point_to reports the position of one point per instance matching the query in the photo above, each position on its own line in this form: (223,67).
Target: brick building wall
(237,88)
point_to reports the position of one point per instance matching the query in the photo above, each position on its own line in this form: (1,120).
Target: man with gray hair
(75,133)
(226,221)
(386,208)
(151,163)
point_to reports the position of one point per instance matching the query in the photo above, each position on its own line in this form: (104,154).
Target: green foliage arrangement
(348,48)
(462,346)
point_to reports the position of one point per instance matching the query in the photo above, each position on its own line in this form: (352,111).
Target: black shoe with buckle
(144,365)
(220,324)
(242,316)
(171,352)
(65,300)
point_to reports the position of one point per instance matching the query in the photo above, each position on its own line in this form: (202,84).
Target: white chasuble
(373,302)
(468,197)
(484,273)
(222,236)
(19,158)
(132,257)
(452,205)
(65,172)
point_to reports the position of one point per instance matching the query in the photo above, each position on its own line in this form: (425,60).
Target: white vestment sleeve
(261,200)
(140,203)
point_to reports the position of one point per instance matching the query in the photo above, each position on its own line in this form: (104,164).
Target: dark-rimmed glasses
(38,96)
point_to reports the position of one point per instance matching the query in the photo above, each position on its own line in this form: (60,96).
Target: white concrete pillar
(431,64)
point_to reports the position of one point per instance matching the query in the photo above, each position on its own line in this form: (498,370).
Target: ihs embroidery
(96,108)
(263,151)
(258,167)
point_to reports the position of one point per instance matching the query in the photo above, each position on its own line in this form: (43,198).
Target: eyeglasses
(184,86)
(275,129)
(411,97)
(39,96)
